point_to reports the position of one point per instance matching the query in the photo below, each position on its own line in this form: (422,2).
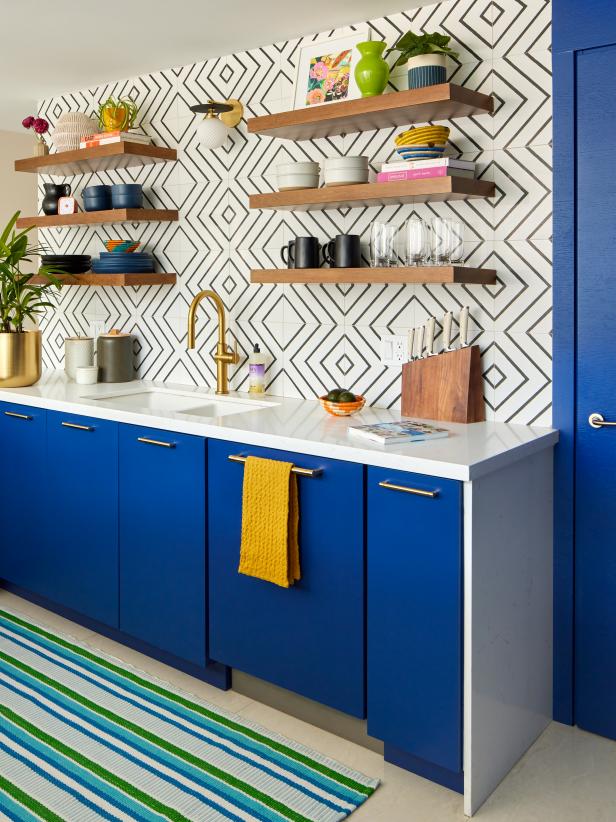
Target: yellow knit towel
(270,517)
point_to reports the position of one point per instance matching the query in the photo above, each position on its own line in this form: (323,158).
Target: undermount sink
(162,399)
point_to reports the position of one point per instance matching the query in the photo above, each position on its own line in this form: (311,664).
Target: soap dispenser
(256,371)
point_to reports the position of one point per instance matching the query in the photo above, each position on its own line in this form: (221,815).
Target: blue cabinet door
(595,454)
(79,555)
(415,616)
(22,492)
(308,638)
(162,540)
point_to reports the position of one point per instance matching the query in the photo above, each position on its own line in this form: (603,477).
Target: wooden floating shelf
(410,274)
(100,158)
(372,194)
(401,108)
(91,278)
(112,215)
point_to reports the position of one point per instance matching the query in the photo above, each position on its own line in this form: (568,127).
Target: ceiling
(66,45)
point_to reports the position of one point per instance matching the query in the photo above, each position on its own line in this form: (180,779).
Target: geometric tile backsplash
(323,335)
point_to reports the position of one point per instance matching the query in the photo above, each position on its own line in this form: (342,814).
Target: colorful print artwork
(329,78)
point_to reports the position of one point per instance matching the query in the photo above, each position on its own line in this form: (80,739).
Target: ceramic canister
(78,352)
(115,357)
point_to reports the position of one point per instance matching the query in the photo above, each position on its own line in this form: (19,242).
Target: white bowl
(297,168)
(345,162)
(287,182)
(345,176)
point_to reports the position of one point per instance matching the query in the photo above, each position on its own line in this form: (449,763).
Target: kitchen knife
(447,331)
(411,343)
(464,327)
(420,339)
(430,327)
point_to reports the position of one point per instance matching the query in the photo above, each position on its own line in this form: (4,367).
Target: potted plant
(39,126)
(425,56)
(20,300)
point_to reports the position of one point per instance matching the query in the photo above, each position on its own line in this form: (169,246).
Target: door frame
(576,27)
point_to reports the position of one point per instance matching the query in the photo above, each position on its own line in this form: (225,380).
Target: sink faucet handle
(236,356)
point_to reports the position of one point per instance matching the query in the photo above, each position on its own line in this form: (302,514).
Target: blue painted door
(78,561)
(308,638)
(22,446)
(415,616)
(595,523)
(162,540)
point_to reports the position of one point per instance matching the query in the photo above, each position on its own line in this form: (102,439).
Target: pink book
(421,173)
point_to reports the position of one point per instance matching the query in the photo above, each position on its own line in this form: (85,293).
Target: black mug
(343,252)
(302,252)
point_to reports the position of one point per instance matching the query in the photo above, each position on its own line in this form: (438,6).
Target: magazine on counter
(388,433)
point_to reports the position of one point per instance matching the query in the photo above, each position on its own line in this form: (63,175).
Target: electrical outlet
(394,349)
(97,327)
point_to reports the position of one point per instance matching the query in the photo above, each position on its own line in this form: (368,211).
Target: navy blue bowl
(94,204)
(126,188)
(97,191)
(126,201)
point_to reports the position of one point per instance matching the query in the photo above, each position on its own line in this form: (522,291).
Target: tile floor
(567,776)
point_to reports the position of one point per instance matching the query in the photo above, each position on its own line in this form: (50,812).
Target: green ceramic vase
(372,71)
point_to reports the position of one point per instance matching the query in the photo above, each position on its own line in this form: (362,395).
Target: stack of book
(421,169)
(104,138)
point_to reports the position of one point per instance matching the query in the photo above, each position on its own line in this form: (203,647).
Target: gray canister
(115,357)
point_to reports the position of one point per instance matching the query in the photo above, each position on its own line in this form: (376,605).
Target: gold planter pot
(20,359)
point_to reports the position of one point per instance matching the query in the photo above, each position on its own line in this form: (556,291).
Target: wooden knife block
(448,386)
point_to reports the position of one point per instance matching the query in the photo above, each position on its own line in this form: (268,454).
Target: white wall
(17,191)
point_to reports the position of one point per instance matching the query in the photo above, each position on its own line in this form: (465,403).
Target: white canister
(78,353)
(86,374)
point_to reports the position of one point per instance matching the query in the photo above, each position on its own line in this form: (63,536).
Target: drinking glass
(383,244)
(441,241)
(456,237)
(417,241)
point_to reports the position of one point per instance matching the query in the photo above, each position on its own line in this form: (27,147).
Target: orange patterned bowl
(122,246)
(342,409)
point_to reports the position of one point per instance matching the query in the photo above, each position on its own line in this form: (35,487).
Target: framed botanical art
(326,69)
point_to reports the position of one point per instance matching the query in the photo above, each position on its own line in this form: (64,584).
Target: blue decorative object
(427,76)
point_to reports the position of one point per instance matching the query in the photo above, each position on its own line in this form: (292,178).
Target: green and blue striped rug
(83,737)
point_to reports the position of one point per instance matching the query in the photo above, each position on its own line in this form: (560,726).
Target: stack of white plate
(297,175)
(345,171)
(71,128)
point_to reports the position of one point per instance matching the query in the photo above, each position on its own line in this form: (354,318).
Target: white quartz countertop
(303,426)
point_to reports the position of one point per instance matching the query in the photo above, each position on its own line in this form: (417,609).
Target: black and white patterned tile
(321,335)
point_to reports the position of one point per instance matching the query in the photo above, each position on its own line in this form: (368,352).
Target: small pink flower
(319,71)
(28,122)
(316,96)
(40,126)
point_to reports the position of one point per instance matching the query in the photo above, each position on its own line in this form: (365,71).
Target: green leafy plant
(412,45)
(20,299)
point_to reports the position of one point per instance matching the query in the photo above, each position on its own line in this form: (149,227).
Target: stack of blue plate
(111,263)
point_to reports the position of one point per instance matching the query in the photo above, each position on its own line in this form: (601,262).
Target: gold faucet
(222,356)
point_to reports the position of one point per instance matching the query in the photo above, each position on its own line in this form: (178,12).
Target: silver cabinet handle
(78,427)
(392,486)
(156,442)
(302,472)
(596,421)
(17,416)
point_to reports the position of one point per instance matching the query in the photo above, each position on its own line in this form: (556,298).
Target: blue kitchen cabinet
(78,559)
(414,546)
(308,638)
(22,445)
(162,540)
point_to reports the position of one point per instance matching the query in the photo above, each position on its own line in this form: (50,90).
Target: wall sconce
(213,130)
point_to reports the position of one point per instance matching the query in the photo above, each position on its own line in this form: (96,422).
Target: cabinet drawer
(79,557)
(162,540)
(415,615)
(308,638)
(22,445)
